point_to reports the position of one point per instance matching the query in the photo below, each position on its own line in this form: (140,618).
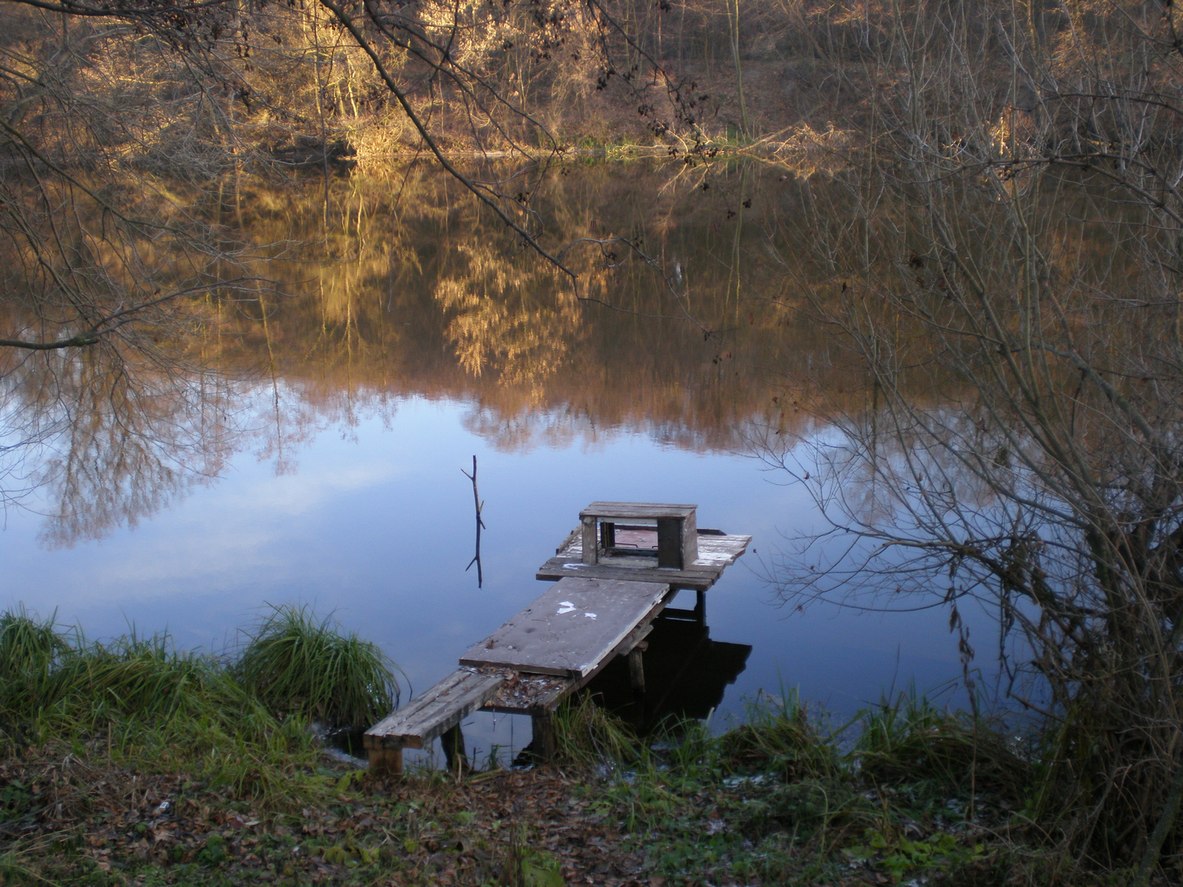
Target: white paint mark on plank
(537,641)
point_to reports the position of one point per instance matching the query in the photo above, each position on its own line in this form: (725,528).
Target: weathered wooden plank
(572,541)
(532,694)
(716,552)
(640,571)
(714,548)
(439,709)
(571,628)
(720,549)
(637,510)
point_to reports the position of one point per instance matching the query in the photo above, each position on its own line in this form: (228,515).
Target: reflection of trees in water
(105,441)
(512,319)
(341,308)
(426,287)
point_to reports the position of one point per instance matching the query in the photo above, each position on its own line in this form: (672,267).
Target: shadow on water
(686,674)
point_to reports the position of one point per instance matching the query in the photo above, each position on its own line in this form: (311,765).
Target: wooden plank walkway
(443,707)
(572,628)
(529,665)
(602,606)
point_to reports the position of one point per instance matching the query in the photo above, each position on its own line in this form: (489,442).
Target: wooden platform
(716,552)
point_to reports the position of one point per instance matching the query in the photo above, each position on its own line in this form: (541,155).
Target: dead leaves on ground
(64,818)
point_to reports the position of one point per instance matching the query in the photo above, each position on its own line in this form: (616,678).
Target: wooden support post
(452,741)
(607,536)
(670,543)
(636,669)
(590,540)
(700,607)
(386,761)
(544,735)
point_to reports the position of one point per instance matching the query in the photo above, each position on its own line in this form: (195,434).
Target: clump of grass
(29,650)
(804,810)
(910,740)
(137,702)
(526,864)
(753,804)
(136,677)
(587,735)
(780,739)
(15,870)
(26,645)
(784,799)
(305,668)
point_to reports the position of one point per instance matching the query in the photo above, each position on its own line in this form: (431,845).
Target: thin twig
(480,524)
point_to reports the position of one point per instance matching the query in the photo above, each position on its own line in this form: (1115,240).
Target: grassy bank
(130,763)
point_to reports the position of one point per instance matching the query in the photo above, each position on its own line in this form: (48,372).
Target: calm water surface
(329,455)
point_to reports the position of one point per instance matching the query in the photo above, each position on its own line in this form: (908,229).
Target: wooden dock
(615,574)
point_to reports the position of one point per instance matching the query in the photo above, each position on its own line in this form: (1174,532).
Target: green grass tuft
(29,651)
(301,667)
(137,703)
(133,677)
(779,738)
(910,740)
(587,735)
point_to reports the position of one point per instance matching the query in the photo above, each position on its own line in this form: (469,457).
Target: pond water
(324,464)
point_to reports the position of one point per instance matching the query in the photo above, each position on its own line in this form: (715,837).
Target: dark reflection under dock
(687,673)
